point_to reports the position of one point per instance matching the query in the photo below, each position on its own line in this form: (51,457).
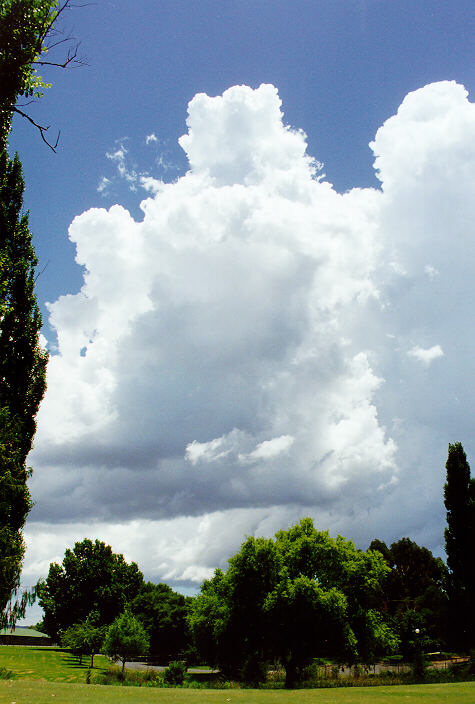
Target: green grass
(36,692)
(50,664)
(53,675)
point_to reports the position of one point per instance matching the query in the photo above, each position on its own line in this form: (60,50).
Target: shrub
(175,673)
(6,674)
(131,678)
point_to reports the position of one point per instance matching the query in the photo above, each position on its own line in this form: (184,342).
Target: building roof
(22,631)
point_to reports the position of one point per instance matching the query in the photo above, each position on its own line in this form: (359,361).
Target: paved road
(161,668)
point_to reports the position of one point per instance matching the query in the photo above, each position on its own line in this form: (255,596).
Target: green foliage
(84,638)
(459,496)
(126,638)
(113,676)
(228,619)
(24,26)
(22,378)
(294,598)
(163,613)
(414,593)
(175,673)
(22,360)
(91,578)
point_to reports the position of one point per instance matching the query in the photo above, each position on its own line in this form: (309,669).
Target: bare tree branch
(46,37)
(71,58)
(41,272)
(42,129)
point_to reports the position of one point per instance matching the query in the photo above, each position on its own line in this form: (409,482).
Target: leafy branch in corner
(28,31)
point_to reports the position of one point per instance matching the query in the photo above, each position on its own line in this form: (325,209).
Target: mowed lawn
(53,676)
(45,663)
(36,692)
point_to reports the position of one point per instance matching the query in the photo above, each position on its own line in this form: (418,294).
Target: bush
(175,673)
(6,674)
(471,665)
(131,678)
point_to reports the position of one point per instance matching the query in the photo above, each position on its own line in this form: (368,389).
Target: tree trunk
(291,672)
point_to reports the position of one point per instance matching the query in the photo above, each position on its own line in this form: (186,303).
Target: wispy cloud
(119,157)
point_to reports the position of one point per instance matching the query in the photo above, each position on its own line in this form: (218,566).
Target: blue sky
(341,67)
(252,345)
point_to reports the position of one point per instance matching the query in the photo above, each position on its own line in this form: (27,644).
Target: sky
(256,255)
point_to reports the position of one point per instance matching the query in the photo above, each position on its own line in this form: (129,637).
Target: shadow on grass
(73,662)
(47,649)
(69,659)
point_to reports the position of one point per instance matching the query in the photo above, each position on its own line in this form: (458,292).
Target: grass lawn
(46,675)
(37,692)
(50,664)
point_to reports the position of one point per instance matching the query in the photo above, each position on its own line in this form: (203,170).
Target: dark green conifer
(459,495)
(22,371)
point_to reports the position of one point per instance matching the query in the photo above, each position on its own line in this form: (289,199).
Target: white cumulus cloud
(234,360)
(426,355)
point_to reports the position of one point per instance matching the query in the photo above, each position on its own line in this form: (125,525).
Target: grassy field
(50,664)
(53,675)
(37,692)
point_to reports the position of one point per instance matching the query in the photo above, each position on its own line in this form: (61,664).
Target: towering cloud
(251,350)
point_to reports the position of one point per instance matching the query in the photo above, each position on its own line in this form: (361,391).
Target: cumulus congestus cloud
(242,356)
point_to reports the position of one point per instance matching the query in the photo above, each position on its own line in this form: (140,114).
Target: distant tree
(459,495)
(84,638)
(294,598)
(90,578)
(163,613)
(414,594)
(73,639)
(126,638)
(22,377)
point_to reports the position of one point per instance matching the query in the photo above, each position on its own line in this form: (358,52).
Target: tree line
(289,599)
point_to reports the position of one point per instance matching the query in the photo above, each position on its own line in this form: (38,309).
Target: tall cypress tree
(25,27)
(459,495)
(22,371)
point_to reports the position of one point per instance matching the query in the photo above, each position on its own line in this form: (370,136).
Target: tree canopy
(414,594)
(125,638)
(91,578)
(163,613)
(84,638)
(27,32)
(299,596)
